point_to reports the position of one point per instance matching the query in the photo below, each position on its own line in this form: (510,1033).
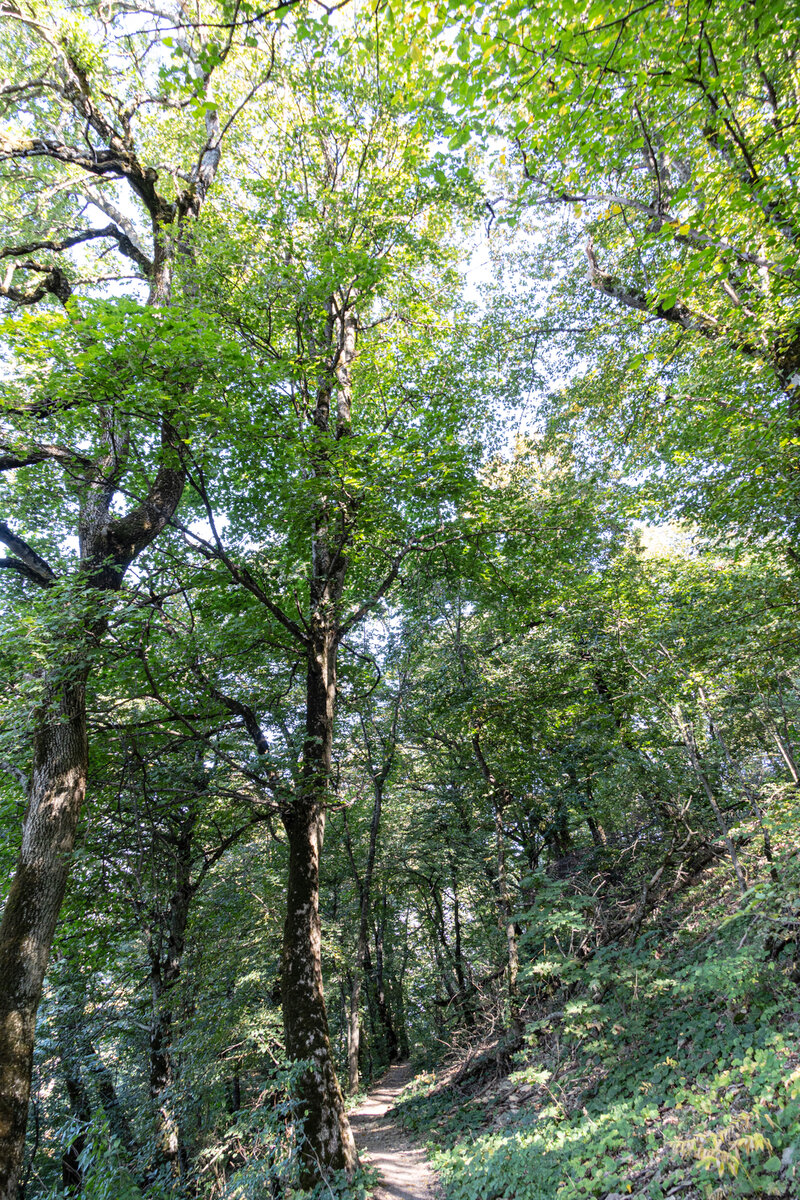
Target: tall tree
(340,293)
(76,92)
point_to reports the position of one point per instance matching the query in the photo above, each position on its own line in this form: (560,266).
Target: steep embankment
(665,1068)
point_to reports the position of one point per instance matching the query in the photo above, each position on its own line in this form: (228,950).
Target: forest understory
(664,1065)
(399,593)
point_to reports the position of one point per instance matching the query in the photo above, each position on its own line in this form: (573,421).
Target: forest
(399,588)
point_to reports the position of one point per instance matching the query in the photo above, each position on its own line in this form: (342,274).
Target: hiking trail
(404,1169)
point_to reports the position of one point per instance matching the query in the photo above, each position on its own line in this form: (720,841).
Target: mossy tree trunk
(56,792)
(327,1139)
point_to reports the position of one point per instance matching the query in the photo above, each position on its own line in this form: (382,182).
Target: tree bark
(327,1139)
(164,975)
(354,1028)
(118,1122)
(108,545)
(58,785)
(81,1109)
(687,734)
(381,1000)
(327,1143)
(749,792)
(501,797)
(379,776)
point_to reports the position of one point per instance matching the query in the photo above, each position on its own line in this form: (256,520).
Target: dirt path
(404,1170)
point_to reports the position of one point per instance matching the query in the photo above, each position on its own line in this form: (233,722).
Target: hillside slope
(667,1067)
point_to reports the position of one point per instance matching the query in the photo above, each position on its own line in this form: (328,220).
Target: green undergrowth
(671,1068)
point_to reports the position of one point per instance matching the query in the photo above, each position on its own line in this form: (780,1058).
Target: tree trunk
(687,733)
(118,1123)
(749,792)
(506,921)
(363,966)
(396,985)
(168,1137)
(58,785)
(233,1093)
(164,976)
(327,1140)
(403,1046)
(354,1030)
(501,797)
(384,1010)
(464,989)
(81,1108)
(327,1143)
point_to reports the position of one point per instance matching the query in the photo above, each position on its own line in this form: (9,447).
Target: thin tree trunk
(80,1107)
(515,1027)
(500,798)
(71,1169)
(118,1122)
(378,775)
(466,1006)
(57,788)
(362,950)
(354,1027)
(233,1083)
(689,741)
(82,1067)
(748,791)
(396,979)
(436,917)
(164,976)
(233,1093)
(384,1009)
(399,1010)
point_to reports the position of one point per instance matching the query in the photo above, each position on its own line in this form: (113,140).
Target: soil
(404,1170)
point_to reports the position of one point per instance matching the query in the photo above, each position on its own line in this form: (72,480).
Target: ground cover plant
(670,1066)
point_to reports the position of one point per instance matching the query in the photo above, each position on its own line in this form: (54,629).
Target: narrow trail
(404,1170)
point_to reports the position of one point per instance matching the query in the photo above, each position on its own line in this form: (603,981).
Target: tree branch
(27,456)
(54,283)
(678,313)
(125,244)
(27,561)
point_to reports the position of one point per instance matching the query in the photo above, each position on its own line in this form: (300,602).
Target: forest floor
(664,1067)
(405,1173)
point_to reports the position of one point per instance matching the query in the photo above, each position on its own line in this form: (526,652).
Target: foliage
(673,1063)
(561,803)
